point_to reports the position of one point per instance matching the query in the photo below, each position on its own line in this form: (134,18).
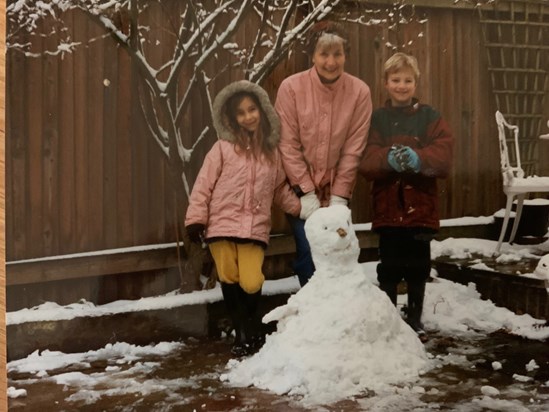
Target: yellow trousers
(239,263)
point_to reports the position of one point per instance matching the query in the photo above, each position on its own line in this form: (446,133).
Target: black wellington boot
(253,328)
(416,293)
(390,288)
(235,307)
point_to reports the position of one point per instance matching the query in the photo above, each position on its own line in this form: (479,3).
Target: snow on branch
(200,35)
(286,38)
(227,34)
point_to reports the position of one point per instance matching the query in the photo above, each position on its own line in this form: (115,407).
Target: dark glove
(195,232)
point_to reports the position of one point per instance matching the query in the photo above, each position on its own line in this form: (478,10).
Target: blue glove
(412,159)
(391,158)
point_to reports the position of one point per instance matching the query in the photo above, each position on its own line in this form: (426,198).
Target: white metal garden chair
(515,184)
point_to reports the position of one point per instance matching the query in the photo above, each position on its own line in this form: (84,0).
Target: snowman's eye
(325,227)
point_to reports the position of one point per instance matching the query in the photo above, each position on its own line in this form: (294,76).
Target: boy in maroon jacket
(409,147)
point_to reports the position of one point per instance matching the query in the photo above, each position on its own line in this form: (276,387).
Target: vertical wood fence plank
(34,115)
(110,141)
(16,163)
(67,154)
(96,174)
(50,145)
(141,181)
(81,135)
(124,161)
(156,222)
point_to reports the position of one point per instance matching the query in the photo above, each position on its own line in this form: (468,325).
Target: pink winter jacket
(234,191)
(323,131)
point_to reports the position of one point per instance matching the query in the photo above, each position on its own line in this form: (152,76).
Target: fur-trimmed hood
(220,122)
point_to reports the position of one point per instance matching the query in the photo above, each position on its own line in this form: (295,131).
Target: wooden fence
(82,173)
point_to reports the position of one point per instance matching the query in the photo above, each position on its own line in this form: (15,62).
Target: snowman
(339,335)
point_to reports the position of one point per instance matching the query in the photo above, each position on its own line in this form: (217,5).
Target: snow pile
(455,309)
(39,363)
(339,335)
(127,373)
(465,248)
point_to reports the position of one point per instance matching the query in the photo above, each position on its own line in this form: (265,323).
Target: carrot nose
(341,232)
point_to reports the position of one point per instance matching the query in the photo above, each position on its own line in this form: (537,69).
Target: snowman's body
(340,334)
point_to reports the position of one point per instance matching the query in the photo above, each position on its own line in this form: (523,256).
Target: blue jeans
(303,264)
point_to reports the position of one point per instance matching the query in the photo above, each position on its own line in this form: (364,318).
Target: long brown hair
(257,141)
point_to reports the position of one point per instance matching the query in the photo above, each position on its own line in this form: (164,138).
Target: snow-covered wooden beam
(164,256)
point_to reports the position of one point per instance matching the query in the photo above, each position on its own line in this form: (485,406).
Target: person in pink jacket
(325,116)
(230,204)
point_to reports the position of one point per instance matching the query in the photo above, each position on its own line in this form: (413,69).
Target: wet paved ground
(189,381)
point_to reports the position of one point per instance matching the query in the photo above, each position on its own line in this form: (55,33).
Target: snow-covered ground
(451,309)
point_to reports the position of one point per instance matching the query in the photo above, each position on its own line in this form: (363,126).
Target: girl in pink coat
(230,204)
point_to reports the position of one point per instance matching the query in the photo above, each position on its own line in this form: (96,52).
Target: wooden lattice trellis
(516,37)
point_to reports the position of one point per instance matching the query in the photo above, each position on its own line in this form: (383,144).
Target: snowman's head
(542,269)
(330,232)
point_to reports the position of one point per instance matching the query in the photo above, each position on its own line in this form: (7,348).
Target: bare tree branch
(287,38)
(264,18)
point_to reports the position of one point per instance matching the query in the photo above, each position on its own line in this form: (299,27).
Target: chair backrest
(508,170)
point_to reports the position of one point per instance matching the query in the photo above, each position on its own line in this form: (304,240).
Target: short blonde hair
(399,61)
